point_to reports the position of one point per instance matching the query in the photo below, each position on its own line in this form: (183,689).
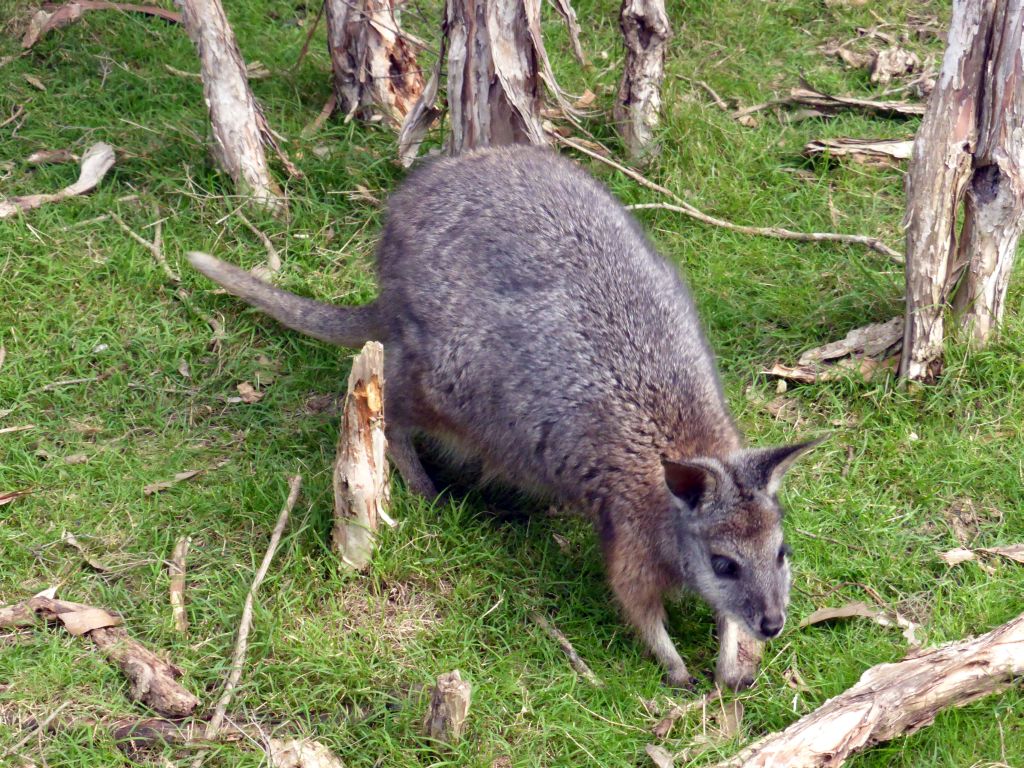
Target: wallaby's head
(730,532)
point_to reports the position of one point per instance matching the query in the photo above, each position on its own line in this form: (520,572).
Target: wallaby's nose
(772,625)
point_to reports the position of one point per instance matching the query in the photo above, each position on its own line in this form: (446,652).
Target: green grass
(345,658)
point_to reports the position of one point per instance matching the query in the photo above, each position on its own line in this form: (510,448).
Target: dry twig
(273,259)
(245,624)
(575,661)
(684,207)
(155,247)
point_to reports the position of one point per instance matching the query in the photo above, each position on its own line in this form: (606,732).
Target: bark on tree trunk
(994,212)
(361,489)
(494,92)
(645,27)
(374,63)
(894,699)
(234,114)
(969,143)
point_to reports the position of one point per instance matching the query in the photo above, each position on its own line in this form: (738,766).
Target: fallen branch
(894,699)
(575,661)
(824,104)
(245,624)
(53,16)
(176,569)
(153,680)
(684,207)
(96,161)
(880,152)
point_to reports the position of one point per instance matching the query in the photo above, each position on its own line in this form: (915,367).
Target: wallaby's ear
(690,482)
(766,466)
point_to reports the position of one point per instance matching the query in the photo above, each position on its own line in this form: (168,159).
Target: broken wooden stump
(374,62)
(153,680)
(449,707)
(237,122)
(969,144)
(362,492)
(645,27)
(894,699)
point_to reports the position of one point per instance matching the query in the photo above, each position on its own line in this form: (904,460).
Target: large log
(362,492)
(994,211)
(374,62)
(645,27)
(235,117)
(892,700)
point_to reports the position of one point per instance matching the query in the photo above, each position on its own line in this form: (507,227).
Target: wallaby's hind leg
(640,595)
(739,655)
(403,455)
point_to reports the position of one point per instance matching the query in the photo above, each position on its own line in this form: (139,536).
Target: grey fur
(529,323)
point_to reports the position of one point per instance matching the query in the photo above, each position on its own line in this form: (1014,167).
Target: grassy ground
(342,657)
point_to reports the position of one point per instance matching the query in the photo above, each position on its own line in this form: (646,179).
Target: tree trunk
(646,30)
(361,489)
(894,699)
(374,63)
(234,114)
(494,92)
(969,144)
(994,212)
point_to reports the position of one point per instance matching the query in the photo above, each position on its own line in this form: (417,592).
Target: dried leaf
(86,619)
(1013,552)
(660,756)
(956,556)
(864,151)
(51,157)
(76,458)
(9,496)
(795,680)
(96,161)
(301,753)
(35,82)
(183,369)
(248,393)
(893,62)
(3,355)
(585,100)
(70,540)
(152,488)
(847,611)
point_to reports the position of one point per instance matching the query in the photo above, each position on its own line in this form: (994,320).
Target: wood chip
(449,707)
(301,753)
(176,571)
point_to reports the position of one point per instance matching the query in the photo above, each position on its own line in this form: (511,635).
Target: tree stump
(234,115)
(362,492)
(645,27)
(494,92)
(374,63)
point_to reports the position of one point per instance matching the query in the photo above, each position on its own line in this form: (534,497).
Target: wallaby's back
(540,324)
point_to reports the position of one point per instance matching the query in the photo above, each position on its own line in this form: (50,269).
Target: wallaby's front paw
(681,678)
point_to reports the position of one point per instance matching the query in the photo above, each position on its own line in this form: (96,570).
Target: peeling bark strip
(994,212)
(894,699)
(234,115)
(374,64)
(646,29)
(494,95)
(362,492)
(969,143)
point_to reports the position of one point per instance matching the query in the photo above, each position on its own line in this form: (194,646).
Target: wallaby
(527,322)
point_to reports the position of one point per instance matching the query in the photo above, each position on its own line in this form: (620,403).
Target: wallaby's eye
(725,567)
(784,552)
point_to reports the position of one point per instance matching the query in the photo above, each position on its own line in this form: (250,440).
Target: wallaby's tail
(344,326)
